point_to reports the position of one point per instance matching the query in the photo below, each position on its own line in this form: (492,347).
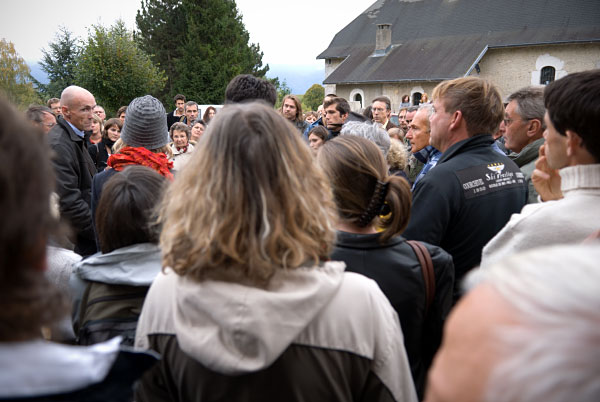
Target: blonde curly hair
(249,202)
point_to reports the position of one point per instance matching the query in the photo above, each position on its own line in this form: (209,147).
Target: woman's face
(315,142)
(211,113)
(180,138)
(95,127)
(197,131)
(114,133)
(311,119)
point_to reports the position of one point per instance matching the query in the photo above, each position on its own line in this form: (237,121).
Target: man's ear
(576,151)
(344,117)
(456,119)
(533,127)
(573,143)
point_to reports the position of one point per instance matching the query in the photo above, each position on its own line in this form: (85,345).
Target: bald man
(74,168)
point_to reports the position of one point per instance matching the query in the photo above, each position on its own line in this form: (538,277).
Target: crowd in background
(262,254)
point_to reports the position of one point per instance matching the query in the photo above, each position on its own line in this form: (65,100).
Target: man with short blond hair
(473,190)
(54,104)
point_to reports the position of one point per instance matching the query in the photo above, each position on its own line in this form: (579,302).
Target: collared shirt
(430,157)
(76,130)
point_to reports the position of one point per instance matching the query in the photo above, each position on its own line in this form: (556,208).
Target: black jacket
(397,271)
(172,119)
(99,155)
(465,200)
(74,169)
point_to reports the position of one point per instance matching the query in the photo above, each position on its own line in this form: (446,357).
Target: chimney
(383,37)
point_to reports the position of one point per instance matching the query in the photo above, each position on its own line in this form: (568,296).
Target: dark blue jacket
(465,200)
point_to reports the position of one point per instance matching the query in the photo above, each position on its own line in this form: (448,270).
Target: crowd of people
(263,254)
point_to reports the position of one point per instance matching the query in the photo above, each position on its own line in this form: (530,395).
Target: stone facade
(509,68)
(514,68)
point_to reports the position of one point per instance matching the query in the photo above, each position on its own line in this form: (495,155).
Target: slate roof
(441,39)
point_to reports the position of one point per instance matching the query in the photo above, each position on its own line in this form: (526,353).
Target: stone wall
(514,68)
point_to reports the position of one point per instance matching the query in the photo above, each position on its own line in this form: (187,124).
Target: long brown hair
(358,174)
(29,301)
(249,202)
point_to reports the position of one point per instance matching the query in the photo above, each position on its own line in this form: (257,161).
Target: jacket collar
(362,241)
(424,154)
(462,146)
(529,153)
(64,124)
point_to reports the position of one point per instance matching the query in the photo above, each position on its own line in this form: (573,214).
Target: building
(398,47)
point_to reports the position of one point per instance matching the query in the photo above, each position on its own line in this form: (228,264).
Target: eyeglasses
(508,122)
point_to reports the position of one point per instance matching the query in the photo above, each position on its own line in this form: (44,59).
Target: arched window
(358,98)
(416,98)
(547,75)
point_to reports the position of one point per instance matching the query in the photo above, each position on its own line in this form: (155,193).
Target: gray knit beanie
(145,123)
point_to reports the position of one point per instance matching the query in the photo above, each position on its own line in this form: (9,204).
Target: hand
(546,180)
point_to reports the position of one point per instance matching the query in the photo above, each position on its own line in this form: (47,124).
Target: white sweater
(568,220)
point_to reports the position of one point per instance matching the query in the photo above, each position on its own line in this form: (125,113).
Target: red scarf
(141,156)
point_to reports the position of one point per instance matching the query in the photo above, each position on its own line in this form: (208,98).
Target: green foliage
(59,64)
(15,77)
(313,97)
(203,52)
(282,91)
(115,69)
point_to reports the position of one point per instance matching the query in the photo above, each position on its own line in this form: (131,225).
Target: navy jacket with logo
(465,200)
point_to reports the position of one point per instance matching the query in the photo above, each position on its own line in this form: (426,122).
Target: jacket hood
(135,265)
(233,328)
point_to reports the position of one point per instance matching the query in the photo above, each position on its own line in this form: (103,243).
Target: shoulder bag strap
(427,268)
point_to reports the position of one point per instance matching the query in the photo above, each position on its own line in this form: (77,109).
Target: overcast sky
(287,32)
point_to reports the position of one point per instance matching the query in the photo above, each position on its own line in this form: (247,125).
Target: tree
(115,69)
(59,63)
(313,97)
(162,31)
(282,91)
(15,77)
(206,50)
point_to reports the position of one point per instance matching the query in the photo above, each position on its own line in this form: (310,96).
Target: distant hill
(37,72)
(298,78)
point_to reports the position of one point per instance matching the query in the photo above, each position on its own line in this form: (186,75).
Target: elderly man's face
(418,132)
(48,121)
(470,349)
(80,110)
(99,111)
(516,128)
